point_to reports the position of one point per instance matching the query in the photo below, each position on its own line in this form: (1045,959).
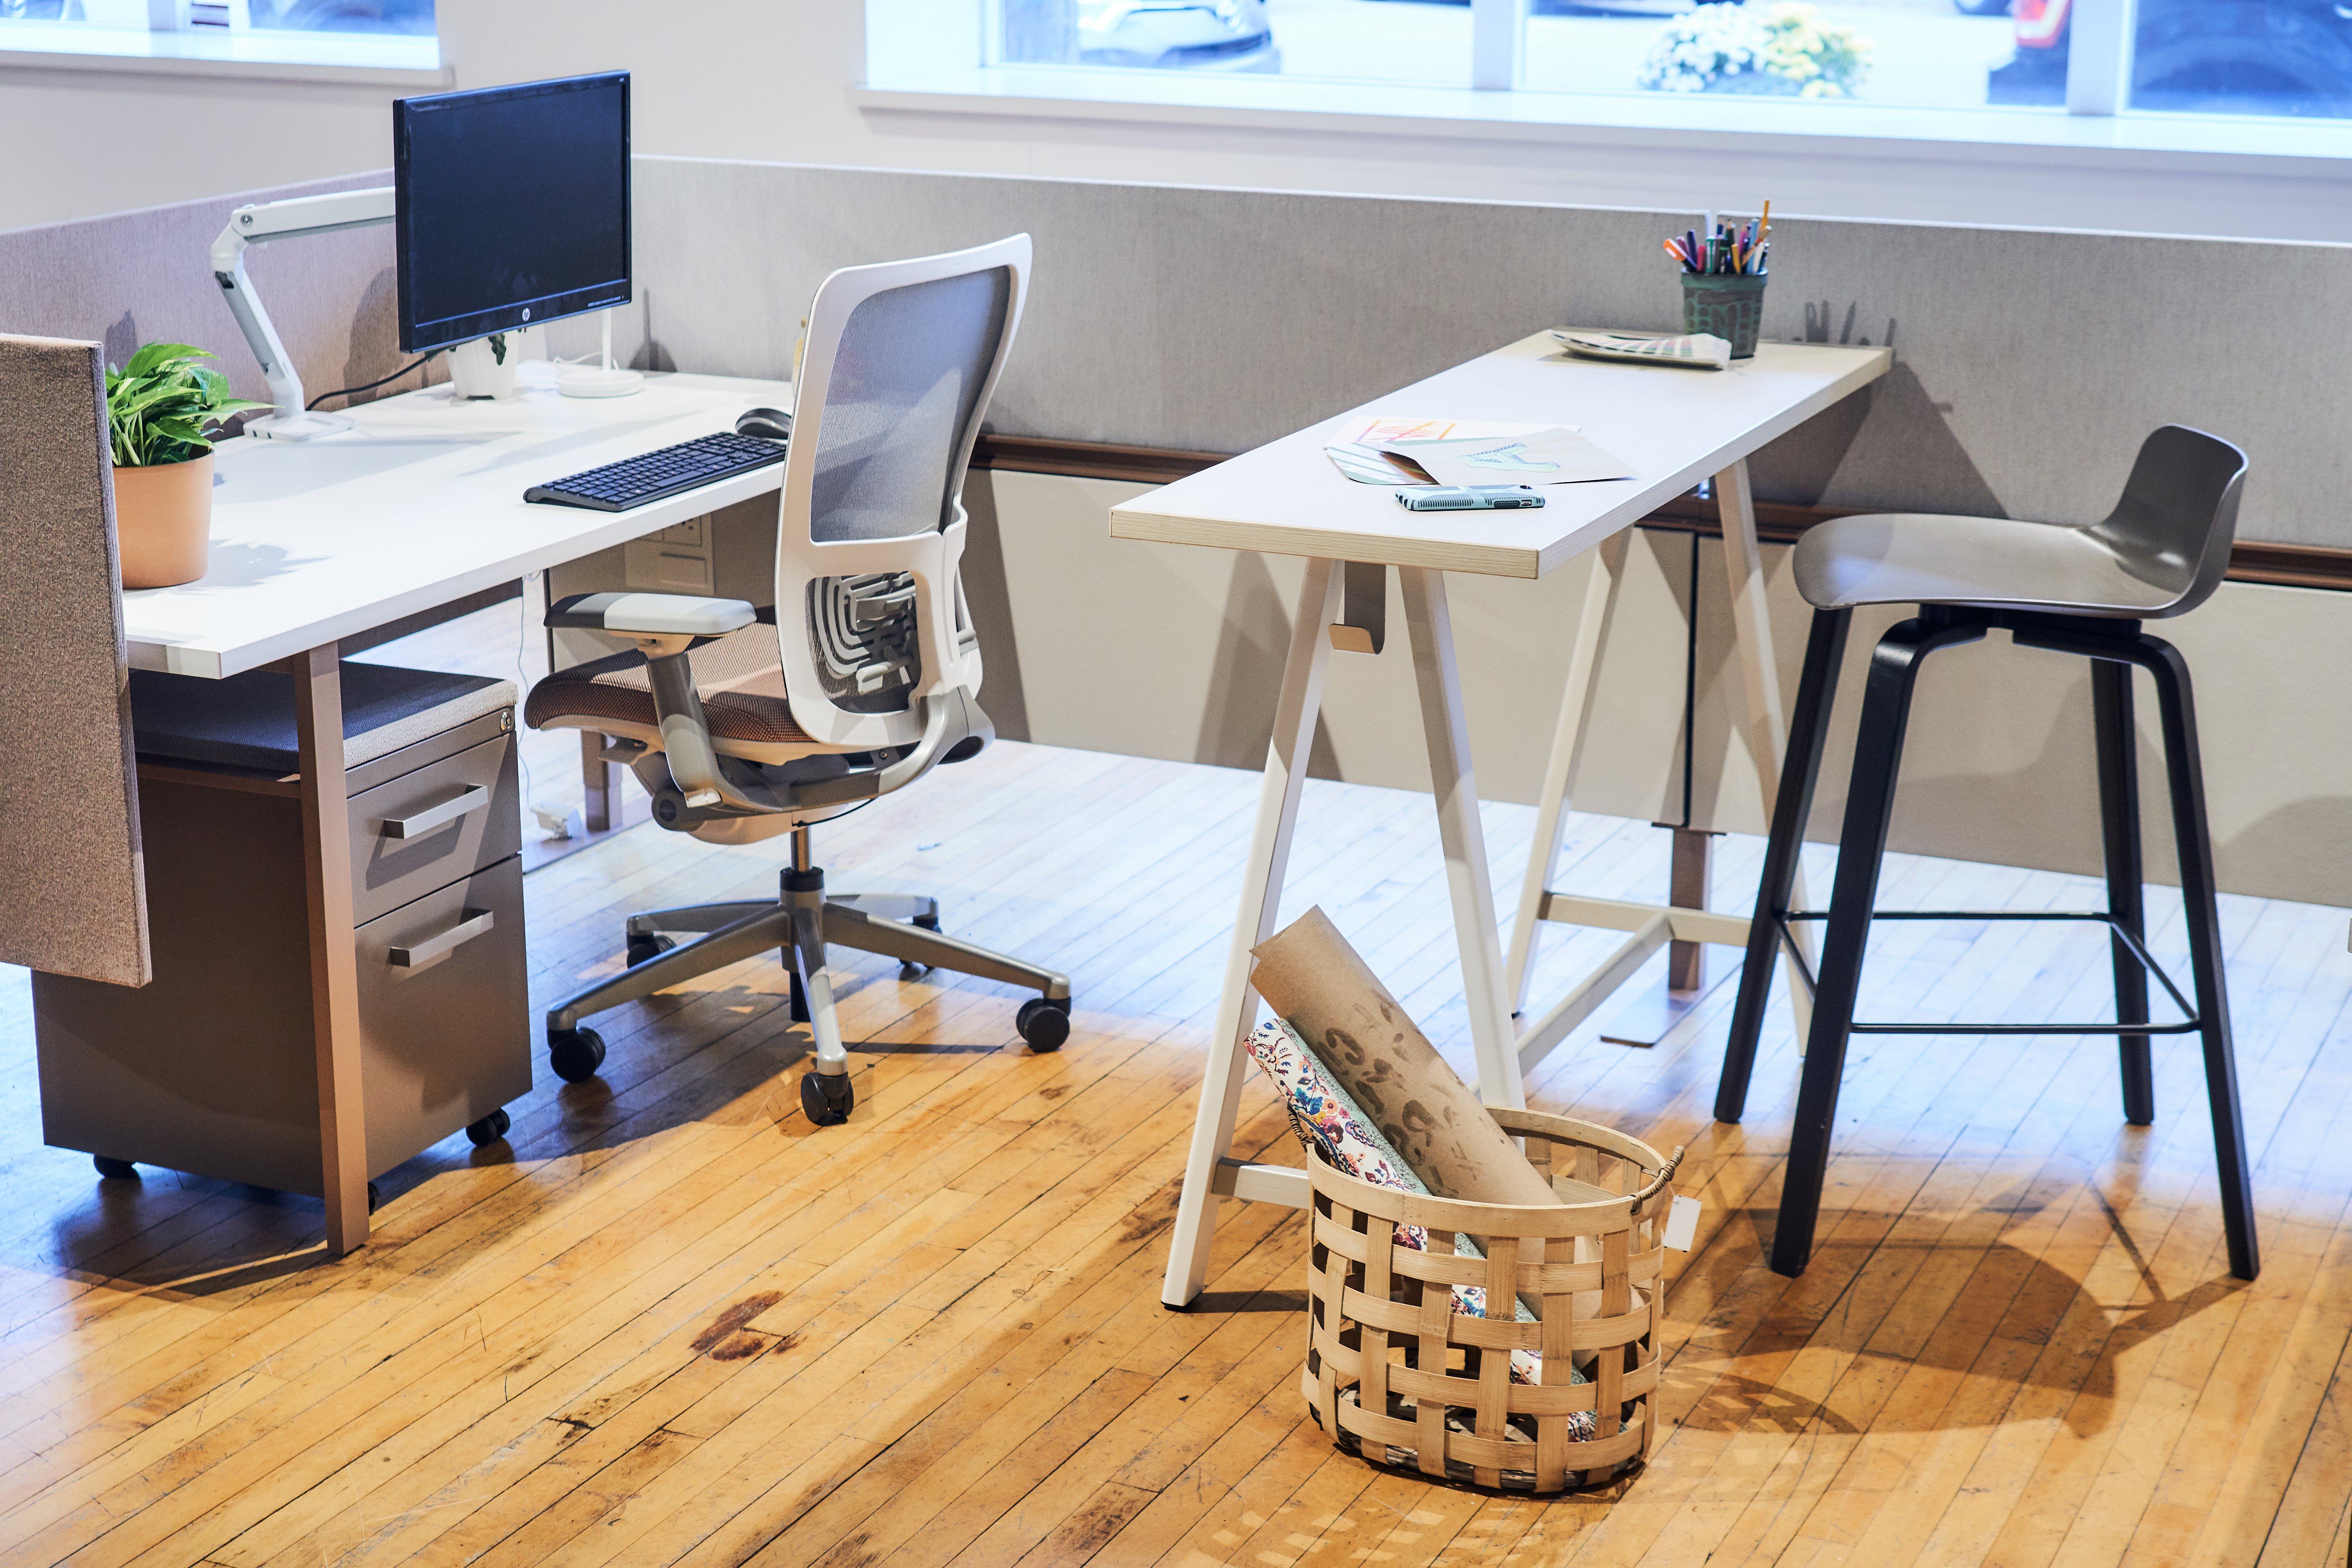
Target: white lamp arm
(289,219)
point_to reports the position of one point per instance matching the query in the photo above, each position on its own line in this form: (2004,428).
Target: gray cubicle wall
(146,277)
(2028,365)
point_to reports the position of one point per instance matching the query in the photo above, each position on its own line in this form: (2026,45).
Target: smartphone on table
(1469,498)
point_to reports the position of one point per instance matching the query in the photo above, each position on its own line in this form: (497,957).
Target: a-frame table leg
(1567,756)
(1277,812)
(1768,722)
(1467,880)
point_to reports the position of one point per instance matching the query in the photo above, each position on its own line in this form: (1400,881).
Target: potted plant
(159,411)
(482,369)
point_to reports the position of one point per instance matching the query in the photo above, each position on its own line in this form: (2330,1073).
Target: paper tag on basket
(1682,1224)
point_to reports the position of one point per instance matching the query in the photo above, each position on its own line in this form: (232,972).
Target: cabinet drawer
(444,1013)
(427,829)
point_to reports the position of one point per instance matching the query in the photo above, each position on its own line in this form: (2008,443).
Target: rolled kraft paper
(1309,973)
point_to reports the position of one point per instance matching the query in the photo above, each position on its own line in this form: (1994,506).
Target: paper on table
(1380,449)
(1554,455)
(1371,466)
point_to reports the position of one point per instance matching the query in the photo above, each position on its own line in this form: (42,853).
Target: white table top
(1674,427)
(418,504)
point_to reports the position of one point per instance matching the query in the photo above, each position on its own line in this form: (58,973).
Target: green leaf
(154,356)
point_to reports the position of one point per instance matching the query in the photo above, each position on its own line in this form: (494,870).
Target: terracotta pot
(164,518)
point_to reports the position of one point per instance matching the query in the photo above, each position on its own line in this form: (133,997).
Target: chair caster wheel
(653,944)
(113,1170)
(490,1128)
(827,1097)
(575,1054)
(1044,1022)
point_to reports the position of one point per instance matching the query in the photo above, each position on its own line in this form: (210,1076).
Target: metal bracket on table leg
(1363,623)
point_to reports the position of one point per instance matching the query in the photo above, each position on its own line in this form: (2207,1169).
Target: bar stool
(2082,591)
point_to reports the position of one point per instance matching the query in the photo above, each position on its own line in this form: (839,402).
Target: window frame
(931,57)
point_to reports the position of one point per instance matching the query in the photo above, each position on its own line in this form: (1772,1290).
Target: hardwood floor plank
(670,1322)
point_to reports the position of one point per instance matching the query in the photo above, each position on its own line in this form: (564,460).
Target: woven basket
(1395,1372)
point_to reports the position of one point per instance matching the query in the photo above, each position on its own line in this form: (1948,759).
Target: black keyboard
(634,481)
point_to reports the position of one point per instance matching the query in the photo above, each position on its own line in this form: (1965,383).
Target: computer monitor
(512,206)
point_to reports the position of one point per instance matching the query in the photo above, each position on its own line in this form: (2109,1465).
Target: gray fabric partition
(146,277)
(73,897)
(2028,364)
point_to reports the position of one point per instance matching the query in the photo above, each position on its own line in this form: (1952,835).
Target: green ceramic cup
(1729,305)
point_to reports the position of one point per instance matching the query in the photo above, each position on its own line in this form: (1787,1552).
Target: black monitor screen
(513,207)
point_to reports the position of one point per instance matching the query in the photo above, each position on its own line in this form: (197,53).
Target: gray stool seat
(1992,562)
(2078,591)
(2161,553)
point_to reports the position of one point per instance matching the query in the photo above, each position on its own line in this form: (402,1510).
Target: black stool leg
(2185,774)
(1809,727)
(1869,806)
(2111,715)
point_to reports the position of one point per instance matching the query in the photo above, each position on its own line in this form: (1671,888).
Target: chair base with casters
(2075,590)
(800,924)
(2115,648)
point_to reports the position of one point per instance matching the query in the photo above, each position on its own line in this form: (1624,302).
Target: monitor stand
(600,381)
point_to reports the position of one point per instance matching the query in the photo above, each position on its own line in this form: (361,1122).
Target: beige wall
(1170,651)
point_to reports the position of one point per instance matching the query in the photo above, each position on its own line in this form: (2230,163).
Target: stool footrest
(2188,1022)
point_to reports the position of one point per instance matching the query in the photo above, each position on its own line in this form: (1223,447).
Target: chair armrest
(651,615)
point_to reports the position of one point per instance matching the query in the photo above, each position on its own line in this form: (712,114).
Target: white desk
(415,508)
(1674,427)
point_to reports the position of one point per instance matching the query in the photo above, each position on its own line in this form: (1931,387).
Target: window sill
(2201,143)
(270,56)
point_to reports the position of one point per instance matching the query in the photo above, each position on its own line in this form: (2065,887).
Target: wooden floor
(672,1324)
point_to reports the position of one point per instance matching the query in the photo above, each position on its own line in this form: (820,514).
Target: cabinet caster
(490,1128)
(1044,1022)
(114,1170)
(575,1054)
(827,1097)
(653,944)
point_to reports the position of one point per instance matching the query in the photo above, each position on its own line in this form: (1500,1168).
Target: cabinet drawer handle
(434,947)
(473,797)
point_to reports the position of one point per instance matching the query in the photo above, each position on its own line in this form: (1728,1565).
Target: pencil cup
(1729,304)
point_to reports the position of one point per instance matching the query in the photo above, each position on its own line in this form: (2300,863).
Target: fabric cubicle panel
(75,894)
(146,277)
(2028,364)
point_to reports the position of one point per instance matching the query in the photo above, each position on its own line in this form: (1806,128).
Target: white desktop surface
(418,504)
(1673,426)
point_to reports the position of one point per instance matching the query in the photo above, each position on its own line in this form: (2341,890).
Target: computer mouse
(770,424)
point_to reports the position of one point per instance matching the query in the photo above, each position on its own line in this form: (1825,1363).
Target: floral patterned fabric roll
(1323,1114)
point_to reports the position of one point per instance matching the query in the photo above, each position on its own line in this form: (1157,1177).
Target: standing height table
(1674,427)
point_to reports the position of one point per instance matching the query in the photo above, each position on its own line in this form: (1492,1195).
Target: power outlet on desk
(675,561)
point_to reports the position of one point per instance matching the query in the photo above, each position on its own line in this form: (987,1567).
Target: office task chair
(866,678)
(2082,591)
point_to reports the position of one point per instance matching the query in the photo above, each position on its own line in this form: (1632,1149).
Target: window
(2266,58)
(397,35)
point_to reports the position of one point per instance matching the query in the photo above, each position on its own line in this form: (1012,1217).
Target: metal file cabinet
(210,1069)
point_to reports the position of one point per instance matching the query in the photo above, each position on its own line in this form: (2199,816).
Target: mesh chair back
(2178,514)
(903,406)
(901,359)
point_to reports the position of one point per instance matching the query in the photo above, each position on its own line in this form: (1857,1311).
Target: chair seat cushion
(740,678)
(1925,558)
